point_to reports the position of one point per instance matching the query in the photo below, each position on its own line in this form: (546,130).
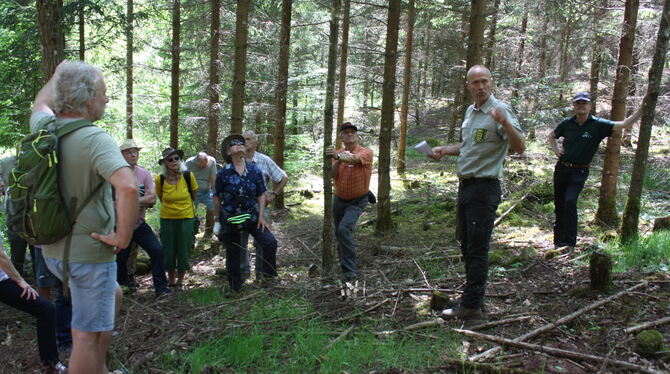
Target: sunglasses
(235,142)
(175,158)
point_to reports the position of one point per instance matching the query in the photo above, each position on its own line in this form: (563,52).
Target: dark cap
(348,125)
(582,96)
(225,144)
(167,152)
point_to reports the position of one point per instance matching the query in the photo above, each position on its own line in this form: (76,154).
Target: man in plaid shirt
(352,168)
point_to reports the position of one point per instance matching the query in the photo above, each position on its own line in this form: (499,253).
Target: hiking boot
(461,312)
(58,368)
(164,294)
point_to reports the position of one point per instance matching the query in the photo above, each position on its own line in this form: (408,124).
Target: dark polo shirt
(581,142)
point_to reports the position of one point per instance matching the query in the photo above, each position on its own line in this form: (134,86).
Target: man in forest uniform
(352,169)
(489,130)
(89,158)
(143,235)
(271,172)
(582,134)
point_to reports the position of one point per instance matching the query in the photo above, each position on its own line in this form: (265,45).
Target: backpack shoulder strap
(72,126)
(187,178)
(159,190)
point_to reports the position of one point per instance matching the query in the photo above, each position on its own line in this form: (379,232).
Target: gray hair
(252,134)
(201,156)
(75,84)
(182,167)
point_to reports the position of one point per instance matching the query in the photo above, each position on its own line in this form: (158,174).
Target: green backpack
(36,209)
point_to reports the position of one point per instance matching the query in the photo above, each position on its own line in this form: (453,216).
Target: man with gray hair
(203,167)
(271,171)
(89,158)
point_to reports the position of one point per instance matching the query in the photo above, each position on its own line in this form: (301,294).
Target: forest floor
(531,286)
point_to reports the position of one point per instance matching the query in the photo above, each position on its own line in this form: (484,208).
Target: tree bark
(82,29)
(406,87)
(520,53)
(632,210)
(542,54)
(384,221)
(282,90)
(174,93)
(627,140)
(597,54)
(459,84)
(607,214)
(327,255)
(240,68)
(491,44)
(342,85)
(52,40)
(129,68)
(214,109)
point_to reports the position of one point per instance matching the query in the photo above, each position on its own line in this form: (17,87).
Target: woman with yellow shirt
(177,213)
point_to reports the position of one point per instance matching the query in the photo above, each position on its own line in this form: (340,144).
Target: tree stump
(662,223)
(600,271)
(439,301)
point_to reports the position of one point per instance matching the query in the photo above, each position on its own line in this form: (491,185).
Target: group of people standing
(237,194)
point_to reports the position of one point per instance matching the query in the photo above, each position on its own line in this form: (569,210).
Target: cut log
(600,272)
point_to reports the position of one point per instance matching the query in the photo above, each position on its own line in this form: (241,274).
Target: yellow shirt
(176,201)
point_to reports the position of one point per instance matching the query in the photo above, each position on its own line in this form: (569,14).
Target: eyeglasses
(175,158)
(235,142)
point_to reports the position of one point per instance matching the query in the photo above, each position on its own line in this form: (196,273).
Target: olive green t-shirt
(88,156)
(485,143)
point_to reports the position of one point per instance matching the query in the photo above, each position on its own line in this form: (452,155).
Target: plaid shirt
(269,168)
(353,181)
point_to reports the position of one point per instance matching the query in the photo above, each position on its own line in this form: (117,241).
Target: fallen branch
(370,309)
(373,219)
(500,323)
(416,326)
(559,322)
(558,352)
(340,337)
(509,210)
(645,325)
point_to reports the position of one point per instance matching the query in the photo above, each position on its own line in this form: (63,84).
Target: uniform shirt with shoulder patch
(485,143)
(581,143)
(88,157)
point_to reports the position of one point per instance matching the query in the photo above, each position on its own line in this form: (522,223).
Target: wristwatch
(337,156)
(272,193)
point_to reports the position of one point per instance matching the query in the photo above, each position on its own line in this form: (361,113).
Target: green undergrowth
(644,254)
(272,334)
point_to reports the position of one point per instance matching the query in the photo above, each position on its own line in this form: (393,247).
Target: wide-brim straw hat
(225,145)
(128,144)
(167,152)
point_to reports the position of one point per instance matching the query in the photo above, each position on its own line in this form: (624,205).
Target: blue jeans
(43,311)
(204,197)
(266,262)
(346,214)
(568,184)
(477,205)
(45,279)
(144,237)
(244,256)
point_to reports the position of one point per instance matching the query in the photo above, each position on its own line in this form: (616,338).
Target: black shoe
(164,294)
(462,312)
(65,348)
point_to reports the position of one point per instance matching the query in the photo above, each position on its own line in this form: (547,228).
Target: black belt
(469,181)
(571,165)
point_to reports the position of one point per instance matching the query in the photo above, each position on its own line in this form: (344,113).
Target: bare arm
(125,184)
(628,122)
(6,265)
(44,99)
(276,190)
(149,198)
(551,139)
(444,150)
(262,225)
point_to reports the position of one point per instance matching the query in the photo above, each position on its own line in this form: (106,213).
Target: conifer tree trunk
(240,65)
(214,80)
(174,93)
(627,139)
(282,90)
(459,85)
(491,46)
(82,29)
(51,35)
(327,253)
(607,213)
(542,54)
(406,81)
(597,55)
(342,85)
(129,68)
(520,54)
(632,211)
(384,222)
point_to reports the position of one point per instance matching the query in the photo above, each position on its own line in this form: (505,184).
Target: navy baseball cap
(585,96)
(348,125)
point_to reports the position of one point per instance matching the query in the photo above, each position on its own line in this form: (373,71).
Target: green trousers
(177,236)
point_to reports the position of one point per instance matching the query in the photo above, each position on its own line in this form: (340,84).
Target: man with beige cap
(143,235)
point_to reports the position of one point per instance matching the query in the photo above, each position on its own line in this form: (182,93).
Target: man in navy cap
(581,135)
